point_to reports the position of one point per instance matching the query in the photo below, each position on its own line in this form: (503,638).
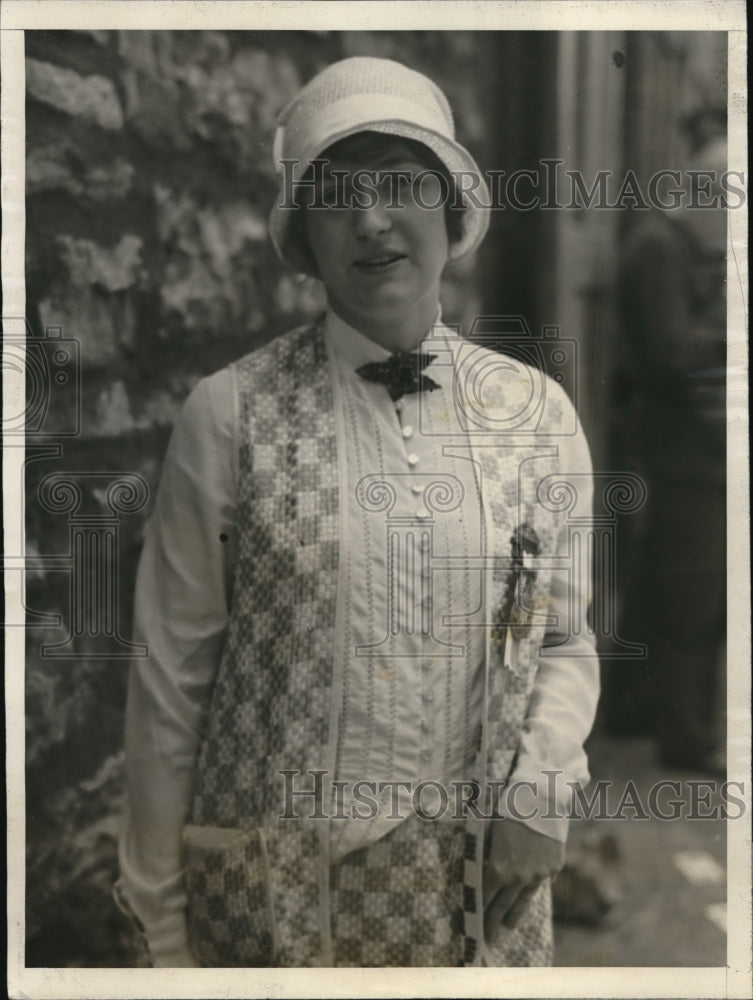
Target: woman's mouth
(378,262)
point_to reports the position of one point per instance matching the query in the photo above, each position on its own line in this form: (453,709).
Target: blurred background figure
(672,296)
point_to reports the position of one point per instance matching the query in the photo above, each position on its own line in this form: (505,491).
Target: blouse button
(413,458)
(417,488)
(407,431)
(422,512)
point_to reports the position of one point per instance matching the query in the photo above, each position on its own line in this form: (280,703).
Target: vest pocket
(230,913)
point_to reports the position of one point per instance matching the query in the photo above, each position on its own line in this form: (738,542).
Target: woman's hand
(519,861)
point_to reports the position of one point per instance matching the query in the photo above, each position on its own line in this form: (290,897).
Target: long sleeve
(563,702)
(181,614)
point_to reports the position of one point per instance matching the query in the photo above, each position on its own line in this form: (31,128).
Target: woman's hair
(364,150)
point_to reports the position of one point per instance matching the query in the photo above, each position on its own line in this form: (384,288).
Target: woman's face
(378,248)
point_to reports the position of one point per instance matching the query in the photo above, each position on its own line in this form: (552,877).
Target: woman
(355,599)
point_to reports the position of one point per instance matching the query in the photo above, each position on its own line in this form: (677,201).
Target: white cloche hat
(360,94)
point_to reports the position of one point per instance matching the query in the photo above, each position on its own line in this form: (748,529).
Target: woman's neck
(401,332)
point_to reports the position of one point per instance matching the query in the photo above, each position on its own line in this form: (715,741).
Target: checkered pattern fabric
(473,916)
(510,479)
(295,860)
(414,897)
(399,902)
(231,921)
(271,703)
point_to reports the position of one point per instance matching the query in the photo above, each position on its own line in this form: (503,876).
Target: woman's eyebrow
(389,161)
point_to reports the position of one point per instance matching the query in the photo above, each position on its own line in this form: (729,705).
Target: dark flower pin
(525,547)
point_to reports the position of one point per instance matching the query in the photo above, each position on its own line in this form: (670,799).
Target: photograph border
(576,15)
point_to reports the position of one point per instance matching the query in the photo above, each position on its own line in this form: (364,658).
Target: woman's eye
(395,184)
(405,180)
(335,194)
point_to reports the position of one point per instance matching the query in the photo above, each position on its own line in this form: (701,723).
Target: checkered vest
(275,703)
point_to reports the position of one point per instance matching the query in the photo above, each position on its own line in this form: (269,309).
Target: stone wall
(149,178)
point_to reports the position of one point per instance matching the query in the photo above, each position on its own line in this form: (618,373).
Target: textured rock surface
(149,182)
(93,98)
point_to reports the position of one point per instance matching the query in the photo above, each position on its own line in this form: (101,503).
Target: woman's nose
(372,221)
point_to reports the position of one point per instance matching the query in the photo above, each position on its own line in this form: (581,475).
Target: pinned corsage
(525,547)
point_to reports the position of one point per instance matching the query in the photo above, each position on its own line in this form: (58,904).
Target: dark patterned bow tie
(400,373)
